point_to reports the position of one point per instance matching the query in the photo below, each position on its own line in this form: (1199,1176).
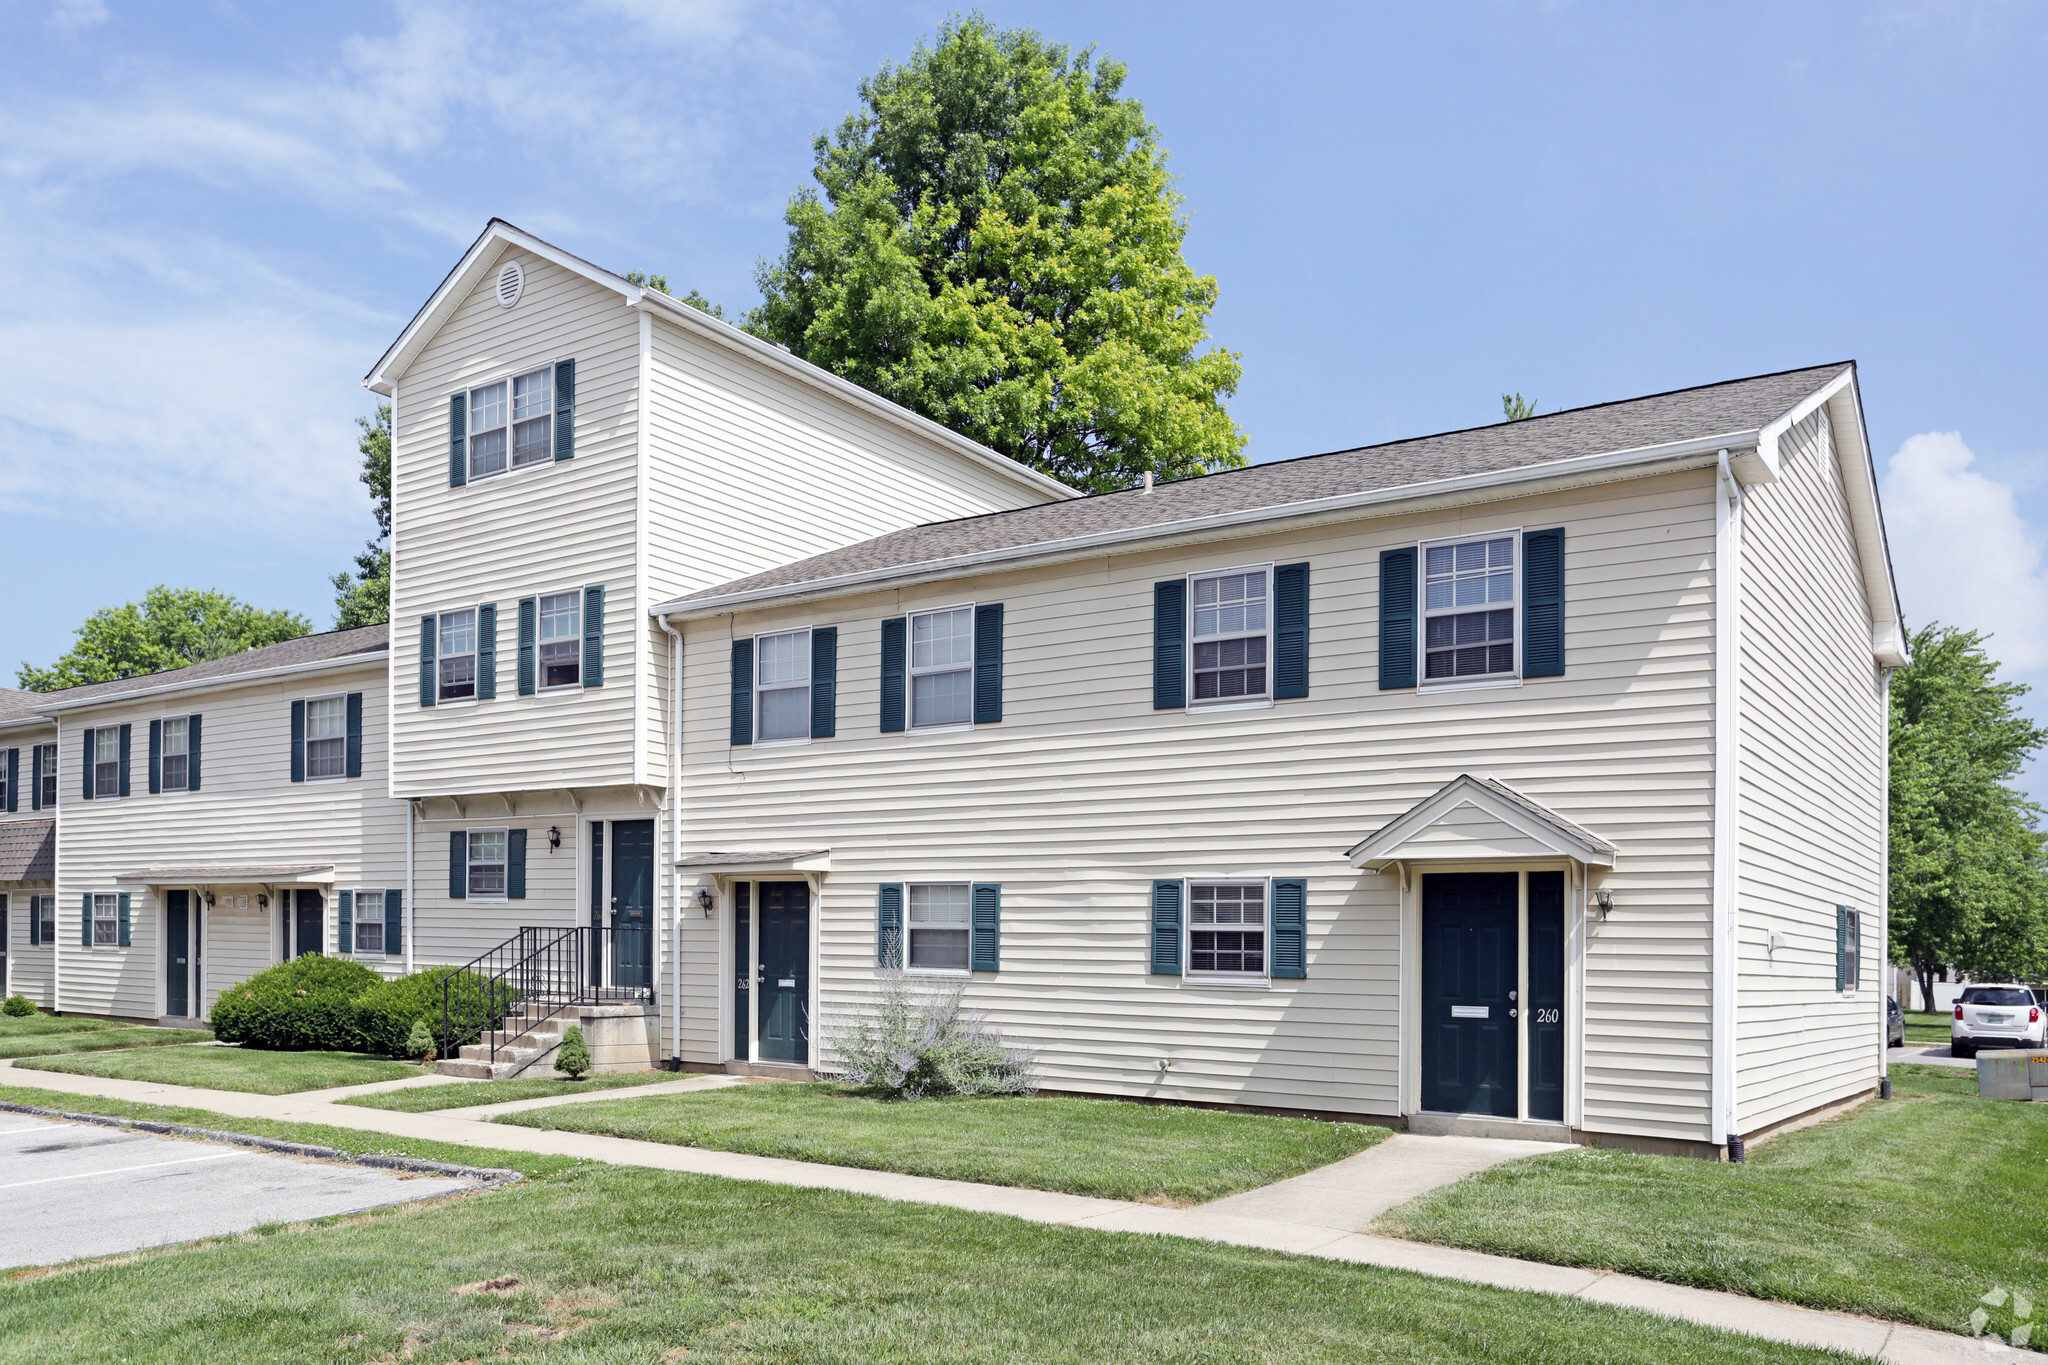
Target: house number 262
(1544,1016)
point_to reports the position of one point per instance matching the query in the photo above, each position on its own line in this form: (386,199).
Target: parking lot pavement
(69,1190)
(1920,1054)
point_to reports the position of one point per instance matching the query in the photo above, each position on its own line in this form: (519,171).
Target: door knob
(1514,1014)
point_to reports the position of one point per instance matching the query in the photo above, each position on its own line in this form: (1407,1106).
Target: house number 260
(1544,1016)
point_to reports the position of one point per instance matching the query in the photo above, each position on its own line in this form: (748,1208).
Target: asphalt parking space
(69,1190)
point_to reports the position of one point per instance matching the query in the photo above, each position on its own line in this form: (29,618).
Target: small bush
(17,1006)
(388,1010)
(913,1044)
(305,1005)
(572,1058)
(420,1042)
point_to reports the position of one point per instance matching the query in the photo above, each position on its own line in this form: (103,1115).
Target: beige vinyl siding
(545,528)
(29,970)
(247,809)
(1811,792)
(26,739)
(456,931)
(1084,794)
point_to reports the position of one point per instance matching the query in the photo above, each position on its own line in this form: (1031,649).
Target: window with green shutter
(1166,899)
(889,925)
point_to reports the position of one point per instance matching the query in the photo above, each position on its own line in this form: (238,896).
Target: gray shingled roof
(28,850)
(17,705)
(1739,405)
(364,641)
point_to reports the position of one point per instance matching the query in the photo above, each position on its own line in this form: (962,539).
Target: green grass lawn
(37,1024)
(232,1068)
(97,1040)
(1908,1209)
(616,1264)
(1924,1028)
(467,1094)
(1111,1148)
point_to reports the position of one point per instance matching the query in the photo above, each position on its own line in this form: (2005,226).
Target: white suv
(1996,1016)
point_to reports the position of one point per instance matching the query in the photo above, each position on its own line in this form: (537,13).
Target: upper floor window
(938,928)
(942,667)
(1230,638)
(1468,609)
(784,686)
(46,775)
(487,863)
(106,761)
(511,423)
(457,654)
(326,737)
(561,640)
(1227,928)
(177,755)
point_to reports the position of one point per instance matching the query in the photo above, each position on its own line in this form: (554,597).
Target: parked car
(1996,1016)
(1894,1023)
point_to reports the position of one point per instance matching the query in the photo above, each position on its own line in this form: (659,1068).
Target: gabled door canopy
(1471,818)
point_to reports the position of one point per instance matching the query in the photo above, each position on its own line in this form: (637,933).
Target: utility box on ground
(2012,1076)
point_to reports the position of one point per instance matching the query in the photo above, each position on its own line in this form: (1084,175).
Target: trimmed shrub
(572,1058)
(18,1006)
(305,1005)
(912,1044)
(420,1042)
(387,1011)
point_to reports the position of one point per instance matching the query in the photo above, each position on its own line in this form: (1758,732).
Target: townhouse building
(1524,779)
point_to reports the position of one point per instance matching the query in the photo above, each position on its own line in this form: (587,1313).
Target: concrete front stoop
(620,1038)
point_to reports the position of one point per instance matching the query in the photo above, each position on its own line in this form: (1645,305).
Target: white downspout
(57,878)
(411,819)
(1727,761)
(675,816)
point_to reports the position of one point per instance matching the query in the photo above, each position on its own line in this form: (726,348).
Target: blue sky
(215,216)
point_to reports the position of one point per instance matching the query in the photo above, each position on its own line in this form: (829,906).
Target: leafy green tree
(169,628)
(364,597)
(998,246)
(1517,407)
(1969,874)
(693,298)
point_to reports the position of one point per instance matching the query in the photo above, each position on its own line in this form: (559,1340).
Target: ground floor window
(106,921)
(42,913)
(938,927)
(487,862)
(369,922)
(1227,928)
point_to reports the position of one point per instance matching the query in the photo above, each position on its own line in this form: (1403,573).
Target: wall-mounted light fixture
(706,901)
(554,836)
(262,901)
(209,900)
(1605,900)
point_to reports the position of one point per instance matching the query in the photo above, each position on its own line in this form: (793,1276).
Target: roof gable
(1478,818)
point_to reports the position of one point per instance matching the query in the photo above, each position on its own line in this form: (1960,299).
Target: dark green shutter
(14,780)
(892,674)
(458,440)
(458,864)
(121,931)
(86,779)
(345,923)
(515,864)
(1397,618)
(35,921)
(124,759)
(986,935)
(156,757)
(824,682)
(192,753)
(85,930)
(354,707)
(487,651)
(1843,975)
(593,636)
(1290,631)
(742,729)
(1290,928)
(1170,645)
(565,409)
(889,925)
(428,642)
(529,631)
(299,741)
(35,778)
(394,923)
(988,663)
(1166,928)
(1543,604)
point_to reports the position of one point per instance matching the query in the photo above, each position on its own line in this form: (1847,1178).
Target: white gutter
(674,712)
(1727,812)
(1241,522)
(224,680)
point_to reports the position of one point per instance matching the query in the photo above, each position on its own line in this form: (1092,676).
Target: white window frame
(47,753)
(306,741)
(164,755)
(911,672)
(45,905)
(1263,977)
(540,672)
(1212,703)
(106,909)
(474,654)
(356,922)
(1423,681)
(469,864)
(964,971)
(106,791)
(509,379)
(761,691)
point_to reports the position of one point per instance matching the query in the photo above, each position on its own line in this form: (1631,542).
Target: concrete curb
(486,1177)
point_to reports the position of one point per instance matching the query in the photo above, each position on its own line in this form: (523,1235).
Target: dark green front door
(177,953)
(306,933)
(633,903)
(785,973)
(1469,951)
(1546,996)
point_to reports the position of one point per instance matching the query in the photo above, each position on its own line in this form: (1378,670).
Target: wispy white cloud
(76,16)
(1964,553)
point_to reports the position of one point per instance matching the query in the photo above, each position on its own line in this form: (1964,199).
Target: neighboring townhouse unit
(1522,779)
(28,843)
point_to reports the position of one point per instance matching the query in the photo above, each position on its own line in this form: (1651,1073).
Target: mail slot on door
(787,983)
(1471,1011)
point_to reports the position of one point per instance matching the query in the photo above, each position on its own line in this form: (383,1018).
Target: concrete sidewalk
(1274,1224)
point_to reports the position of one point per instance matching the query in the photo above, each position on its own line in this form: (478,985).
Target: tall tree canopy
(364,597)
(998,247)
(169,628)
(1969,879)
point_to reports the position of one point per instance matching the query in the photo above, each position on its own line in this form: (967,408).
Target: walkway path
(1281,1217)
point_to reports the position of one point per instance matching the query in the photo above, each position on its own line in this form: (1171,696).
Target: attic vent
(510,281)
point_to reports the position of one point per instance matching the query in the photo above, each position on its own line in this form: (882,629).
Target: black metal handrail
(541,972)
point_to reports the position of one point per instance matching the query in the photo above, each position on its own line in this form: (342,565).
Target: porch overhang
(739,866)
(231,874)
(1476,819)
